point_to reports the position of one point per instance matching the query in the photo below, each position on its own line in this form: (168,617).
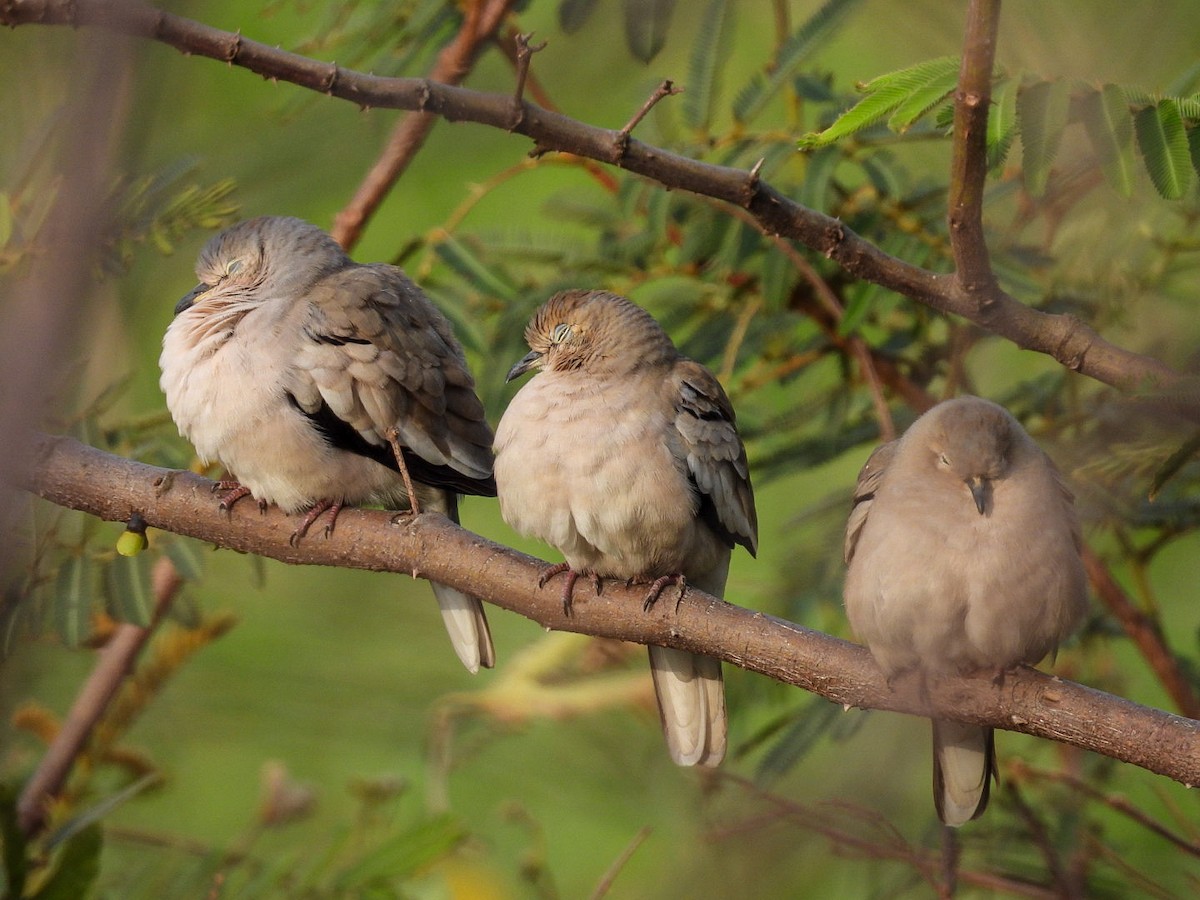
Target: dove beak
(528,361)
(190,297)
(980,490)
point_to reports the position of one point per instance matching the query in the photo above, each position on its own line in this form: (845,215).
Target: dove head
(594,332)
(262,259)
(971,440)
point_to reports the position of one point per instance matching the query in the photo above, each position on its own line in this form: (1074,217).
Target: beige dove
(963,551)
(289,364)
(624,455)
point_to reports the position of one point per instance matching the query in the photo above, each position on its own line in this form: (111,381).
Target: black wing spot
(339,433)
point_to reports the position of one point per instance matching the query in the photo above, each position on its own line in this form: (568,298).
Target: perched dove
(623,454)
(963,552)
(294,367)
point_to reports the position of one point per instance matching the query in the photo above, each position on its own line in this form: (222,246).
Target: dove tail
(964,764)
(691,704)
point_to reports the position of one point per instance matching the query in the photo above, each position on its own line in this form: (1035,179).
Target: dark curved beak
(981,490)
(528,361)
(190,297)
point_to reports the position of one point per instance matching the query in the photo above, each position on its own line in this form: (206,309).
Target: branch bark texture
(1065,338)
(74,475)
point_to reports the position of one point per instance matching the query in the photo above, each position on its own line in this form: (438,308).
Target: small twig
(1145,633)
(393,438)
(525,52)
(454,62)
(605,884)
(113,664)
(1019,769)
(1041,839)
(666,89)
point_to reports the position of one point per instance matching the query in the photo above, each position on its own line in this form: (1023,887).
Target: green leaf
(1164,146)
(1042,109)
(646,26)
(130,596)
(186,556)
(818,173)
(884,94)
(1173,464)
(924,98)
(73,601)
(572,14)
(1002,122)
(76,867)
(1193,137)
(400,856)
(809,726)
(463,261)
(778,277)
(709,53)
(809,37)
(1109,126)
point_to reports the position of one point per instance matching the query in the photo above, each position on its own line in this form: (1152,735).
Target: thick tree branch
(80,477)
(1065,338)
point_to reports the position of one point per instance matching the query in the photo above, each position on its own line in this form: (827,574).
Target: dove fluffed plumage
(963,551)
(290,364)
(624,455)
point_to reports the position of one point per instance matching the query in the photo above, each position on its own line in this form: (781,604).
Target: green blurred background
(347,678)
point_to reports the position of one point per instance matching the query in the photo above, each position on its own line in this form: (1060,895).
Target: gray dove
(624,455)
(298,369)
(963,551)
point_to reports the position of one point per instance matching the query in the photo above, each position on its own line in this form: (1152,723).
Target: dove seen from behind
(963,551)
(624,455)
(296,368)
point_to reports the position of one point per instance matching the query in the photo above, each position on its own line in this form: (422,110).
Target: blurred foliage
(808,356)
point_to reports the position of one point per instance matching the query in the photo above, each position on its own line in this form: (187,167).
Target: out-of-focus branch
(1065,338)
(481,21)
(113,664)
(71,474)
(1145,634)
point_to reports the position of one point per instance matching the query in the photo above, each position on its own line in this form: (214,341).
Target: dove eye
(944,460)
(560,333)
(232,267)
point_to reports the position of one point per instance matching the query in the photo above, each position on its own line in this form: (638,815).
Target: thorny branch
(1068,340)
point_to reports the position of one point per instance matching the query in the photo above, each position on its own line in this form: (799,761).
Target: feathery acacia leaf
(1043,108)
(709,54)
(795,50)
(1002,122)
(646,26)
(887,93)
(1164,146)
(1109,125)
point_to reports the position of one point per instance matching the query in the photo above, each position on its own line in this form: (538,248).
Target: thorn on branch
(426,95)
(835,234)
(235,48)
(525,51)
(752,182)
(330,80)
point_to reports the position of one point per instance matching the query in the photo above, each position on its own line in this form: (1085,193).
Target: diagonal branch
(80,477)
(1065,338)
(480,24)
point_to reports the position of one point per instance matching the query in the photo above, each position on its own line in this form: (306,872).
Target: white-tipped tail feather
(467,627)
(691,704)
(964,762)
